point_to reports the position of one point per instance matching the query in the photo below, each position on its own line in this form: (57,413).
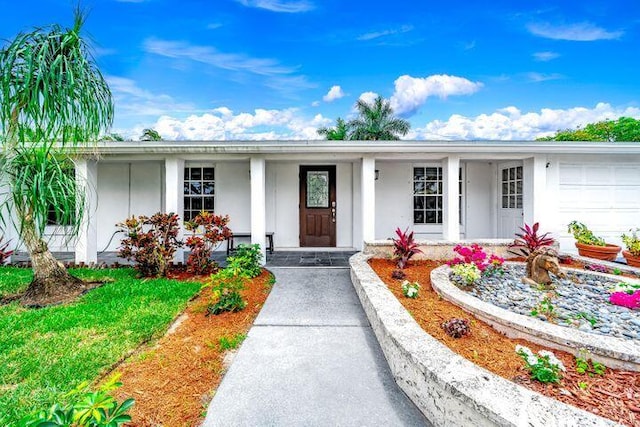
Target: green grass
(46,352)
(231,342)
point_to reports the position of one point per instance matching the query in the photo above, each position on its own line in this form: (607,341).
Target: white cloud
(279,5)
(214,26)
(511,124)
(368,97)
(132,100)
(211,56)
(315,104)
(377,34)
(545,56)
(542,77)
(334,93)
(412,92)
(582,32)
(223,124)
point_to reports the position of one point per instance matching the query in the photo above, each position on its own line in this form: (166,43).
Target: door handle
(333,212)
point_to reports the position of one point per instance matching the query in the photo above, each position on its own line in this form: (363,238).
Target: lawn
(46,352)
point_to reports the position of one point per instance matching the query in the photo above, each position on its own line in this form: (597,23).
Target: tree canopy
(622,129)
(375,122)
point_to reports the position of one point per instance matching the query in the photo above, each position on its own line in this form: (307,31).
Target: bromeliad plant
(543,367)
(404,247)
(528,240)
(208,231)
(86,409)
(151,242)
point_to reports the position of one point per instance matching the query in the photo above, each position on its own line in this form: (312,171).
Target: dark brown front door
(318,206)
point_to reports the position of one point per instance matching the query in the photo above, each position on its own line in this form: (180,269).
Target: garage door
(606,197)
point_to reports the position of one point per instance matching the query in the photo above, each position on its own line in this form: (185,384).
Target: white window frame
(437,226)
(188,211)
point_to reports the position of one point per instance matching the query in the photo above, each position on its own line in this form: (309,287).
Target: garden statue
(539,263)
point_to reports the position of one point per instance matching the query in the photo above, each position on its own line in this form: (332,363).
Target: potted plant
(632,242)
(590,245)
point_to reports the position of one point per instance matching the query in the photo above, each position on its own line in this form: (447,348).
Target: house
(342,193)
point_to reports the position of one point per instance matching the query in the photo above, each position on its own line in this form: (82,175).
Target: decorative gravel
(578,301)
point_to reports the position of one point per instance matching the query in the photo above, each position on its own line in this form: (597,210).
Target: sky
(279,69)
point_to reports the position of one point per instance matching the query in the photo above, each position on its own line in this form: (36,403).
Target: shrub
(232,342)
(151,242)
(226,287)
(469,273)
(632,242)
(410,289)
(528,240)
(398,274)
(208,231)
(5,252)
(404,247)
(87,409)
(543,367)
(456,328)
(246,261)
(583,235)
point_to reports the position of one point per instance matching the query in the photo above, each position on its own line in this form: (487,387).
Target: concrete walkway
(311,359)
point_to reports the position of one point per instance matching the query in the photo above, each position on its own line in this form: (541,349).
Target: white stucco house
(343,193)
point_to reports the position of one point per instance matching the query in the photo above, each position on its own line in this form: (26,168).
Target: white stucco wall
(233,194)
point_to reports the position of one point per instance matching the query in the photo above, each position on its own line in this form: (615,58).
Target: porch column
(258,204)
(87,182)
(451,199)
(174,195)
(368,194)
(535,204)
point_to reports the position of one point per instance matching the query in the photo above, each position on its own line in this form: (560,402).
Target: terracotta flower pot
(605,253)
(632,260)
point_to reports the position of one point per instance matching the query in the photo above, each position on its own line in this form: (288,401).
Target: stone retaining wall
(438,249)
(448,389)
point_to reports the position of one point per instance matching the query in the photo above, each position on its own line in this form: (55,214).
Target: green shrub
(246,261)
(232,342)
(583,235)
(226,287)
(86,409)
(632,242)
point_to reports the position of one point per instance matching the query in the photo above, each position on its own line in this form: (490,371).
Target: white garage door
(606,197)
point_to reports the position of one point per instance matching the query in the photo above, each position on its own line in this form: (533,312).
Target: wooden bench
(231,244)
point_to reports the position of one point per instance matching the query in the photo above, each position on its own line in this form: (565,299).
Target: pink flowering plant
(475,254)
(625,295)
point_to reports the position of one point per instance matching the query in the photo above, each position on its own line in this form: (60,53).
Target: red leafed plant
(208,231)
(404,247)
(528,240)
(5,252)
(151,242)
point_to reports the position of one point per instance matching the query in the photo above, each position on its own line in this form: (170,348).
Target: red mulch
(616,395)
(173,382)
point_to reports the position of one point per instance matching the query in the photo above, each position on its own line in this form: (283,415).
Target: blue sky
(278,69)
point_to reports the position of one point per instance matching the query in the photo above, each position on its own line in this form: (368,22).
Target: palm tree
(376,122)
(338,133)
(53,100)
(150,135)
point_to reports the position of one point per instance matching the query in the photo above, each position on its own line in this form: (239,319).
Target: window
(199,191)
(427,195)
(512,188)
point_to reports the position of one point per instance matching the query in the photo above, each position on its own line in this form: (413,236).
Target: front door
(318,206)
(510,187)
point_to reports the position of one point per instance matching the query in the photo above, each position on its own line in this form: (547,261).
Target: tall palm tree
(53,100)
(376,121)
(338,133)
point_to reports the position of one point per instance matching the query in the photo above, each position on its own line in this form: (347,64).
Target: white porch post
(535,191)
(87,182)
(258,204)
(451,199)
(368,194)
(174,195)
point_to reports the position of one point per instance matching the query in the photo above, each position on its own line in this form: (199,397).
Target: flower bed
(496,353)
